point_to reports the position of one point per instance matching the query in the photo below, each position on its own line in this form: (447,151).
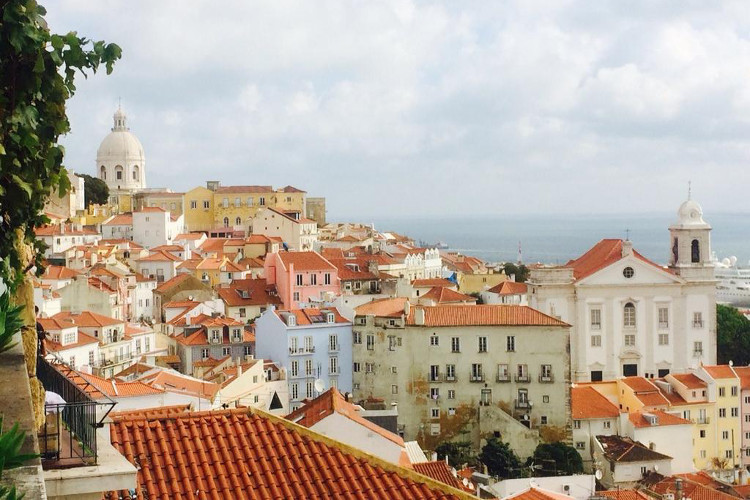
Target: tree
(95,190)
(556,459)
(37,71)
(458,453)
(521,272)
(732,335)
(500,459)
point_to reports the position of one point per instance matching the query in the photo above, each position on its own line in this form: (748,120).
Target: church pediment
(629,271)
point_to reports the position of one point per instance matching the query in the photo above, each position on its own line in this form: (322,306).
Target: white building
(120,161)
(295,231)
(118,227)
(629,315)
(153,227)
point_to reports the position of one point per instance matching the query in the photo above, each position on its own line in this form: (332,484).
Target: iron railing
(68,437)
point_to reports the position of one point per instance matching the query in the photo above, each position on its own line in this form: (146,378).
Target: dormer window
(330,318)
(215,337)
(291,320)
(236,335)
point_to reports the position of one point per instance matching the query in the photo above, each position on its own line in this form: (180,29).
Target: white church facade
(629,315)
(120,161)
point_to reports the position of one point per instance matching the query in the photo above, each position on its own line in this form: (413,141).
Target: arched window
(675,251)
(695,251)
(118,172)
(238,221)
(136,172)
(226,221)
(628,315)
(103,175)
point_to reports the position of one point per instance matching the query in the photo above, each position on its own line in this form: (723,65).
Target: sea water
(555,239)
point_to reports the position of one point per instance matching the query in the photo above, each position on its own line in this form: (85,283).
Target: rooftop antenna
(119,103)
(690,189)
(627,235)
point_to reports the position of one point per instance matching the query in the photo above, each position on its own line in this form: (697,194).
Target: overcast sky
(420,108)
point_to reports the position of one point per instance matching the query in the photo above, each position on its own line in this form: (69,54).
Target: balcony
(477,377)
(522,404)
(523,377)
(434,377)
(701,420)
(503,377)
(547,378)
(450,378)
(301,351)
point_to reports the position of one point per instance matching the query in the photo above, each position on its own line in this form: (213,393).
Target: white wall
(354,434)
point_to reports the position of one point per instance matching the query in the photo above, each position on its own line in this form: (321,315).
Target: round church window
(628,272)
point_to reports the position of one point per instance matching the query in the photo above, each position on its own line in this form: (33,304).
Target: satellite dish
(598,475)
(656,468)
(731,363)
(320,386)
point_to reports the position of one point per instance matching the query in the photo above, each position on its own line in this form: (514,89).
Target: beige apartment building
(465,371)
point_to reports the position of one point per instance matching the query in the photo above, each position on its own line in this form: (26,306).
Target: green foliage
(11,457)
(95,190)
(37,70)
(520,271)
(458,453)
(500,460)
(732,336)
(10,322)
(556,459)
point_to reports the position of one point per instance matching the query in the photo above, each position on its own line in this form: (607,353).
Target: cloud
(408,107)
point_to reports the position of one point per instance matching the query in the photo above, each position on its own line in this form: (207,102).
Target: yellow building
(724,388)
(95,214)
(166,200)
(199,209)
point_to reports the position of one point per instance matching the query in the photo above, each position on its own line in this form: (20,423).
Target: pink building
(301,277)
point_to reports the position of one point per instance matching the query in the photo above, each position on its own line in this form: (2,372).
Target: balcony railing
(68,437)
(701,420)
(434,377)
(477,377)
(522,403)
(300,351)
(546,378)
(523,378)
(503,377)
(450,378)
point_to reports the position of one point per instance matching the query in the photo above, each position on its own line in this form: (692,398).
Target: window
(450,372)
(703,453)
(628,272)
(543,420)
(247,350)
(206,204)
(482,344)
(434,393)
(607,424)
(296,296)
(722,412)
(313,279)
(295,391)
(663,339)
(735,412)
(226,221)
(728,454)
(434,373)
(697,320)
(299,280)
(434,340)
(370,342)
(327,279)
(250,202)
(357,337)
(451,394)
(644,469)
(194,204)
(435,412)
(522,373)
(695,251)
(476,372)
(369,367)
(391,342)
(294,369)
(545,399)
(204,353)
(628,315)
(309,347)
(293,344)
(394,369)
(455,344)
(734,390)
(596,341)
(333,365)
(596,319)
(630,340)
(226,351)
(394,389)
(308,367)
(225,202)
(485,397)
(724,434)
(702,433)
(503,374)
(580,445)
(333,342)
(510,343)
(91,358)
(356,367)
(238,221)
(663,317)
(697,349)
(722,392)
(546,375)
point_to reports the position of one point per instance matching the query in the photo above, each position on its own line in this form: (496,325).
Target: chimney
(418,315)
(407,308)
(239,370)
(627,248)
(678,488)
(434,456)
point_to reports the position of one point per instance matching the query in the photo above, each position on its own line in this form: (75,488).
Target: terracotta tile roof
(59,273)
(536,493)
(353,268)
(441,471)
(638,419)
(690,380)
(150,413)
(257,239)
(587,402)
(624,494)
(509,288)
(244,189)
(330,402)
(383,308)
(248,292)
(172,282)
(98,284)
(99,388)
(477,315)
(119,220)
(314,316)
(168,248)
(87,319)
(160,256)
(744,373)
(624,449)
(171,381)
(291,189)
(55,324)
(305,261)
(639,384)
(83,340)
(151,209)
(209,362)
(720,371)
(189,236)
(244,454)
(601,255)
(54,230)
(690,489)
(443,295)
(431,282)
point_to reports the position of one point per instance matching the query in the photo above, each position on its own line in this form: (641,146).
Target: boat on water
(734,282)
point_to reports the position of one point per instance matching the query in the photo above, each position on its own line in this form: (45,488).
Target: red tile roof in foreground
(720,371)
(639,420)
(98,387)
(534,493)
(330,402)
(744,373)
(305,261)
(443,295)
(689,380)
(601,255)
(431,282)
(479,315)
(59,273)
(391,308)
(248,454)
(624,495)
(509,288)
(690,489)
(587,402)
(441,471)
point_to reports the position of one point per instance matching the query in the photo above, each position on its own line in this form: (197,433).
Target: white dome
(121,143)
(690,213)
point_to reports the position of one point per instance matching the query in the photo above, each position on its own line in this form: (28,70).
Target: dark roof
(623,449)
